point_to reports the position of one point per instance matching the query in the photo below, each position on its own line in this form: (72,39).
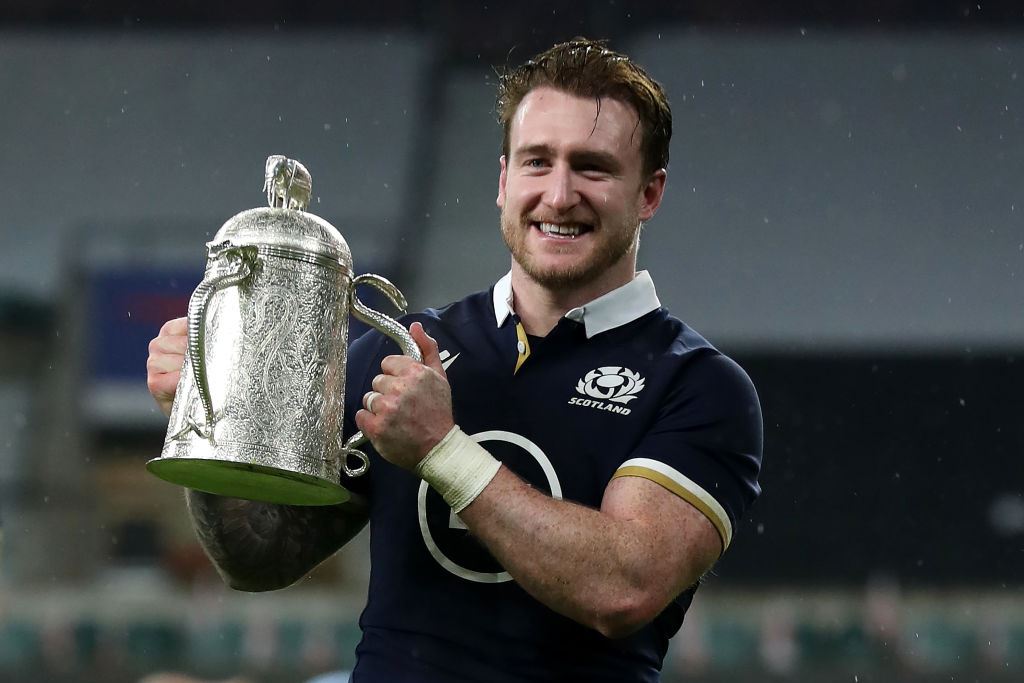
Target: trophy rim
(249,481)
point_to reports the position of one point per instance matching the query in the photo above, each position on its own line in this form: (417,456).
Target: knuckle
(155,385)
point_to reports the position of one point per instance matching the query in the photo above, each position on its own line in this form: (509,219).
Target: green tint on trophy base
(252,482)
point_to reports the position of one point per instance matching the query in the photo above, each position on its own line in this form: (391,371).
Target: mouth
(562,231)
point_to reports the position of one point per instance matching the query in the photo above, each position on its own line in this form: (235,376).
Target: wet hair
(587,68)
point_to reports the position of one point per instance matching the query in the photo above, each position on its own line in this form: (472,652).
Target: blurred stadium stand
(844,218)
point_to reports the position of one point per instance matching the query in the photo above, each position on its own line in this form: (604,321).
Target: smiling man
(573,193)
(543,508)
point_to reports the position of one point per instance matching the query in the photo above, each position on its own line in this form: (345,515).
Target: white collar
(623,305)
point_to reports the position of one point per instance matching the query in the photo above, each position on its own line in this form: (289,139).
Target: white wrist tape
(458,468)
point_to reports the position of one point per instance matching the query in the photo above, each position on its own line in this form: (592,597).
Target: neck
(539,307)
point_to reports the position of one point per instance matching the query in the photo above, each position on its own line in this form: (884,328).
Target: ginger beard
(613,243)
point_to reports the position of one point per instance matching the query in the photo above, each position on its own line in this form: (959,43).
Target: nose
(561,193)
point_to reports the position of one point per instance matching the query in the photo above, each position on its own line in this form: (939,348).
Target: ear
(651,194)
(501,183)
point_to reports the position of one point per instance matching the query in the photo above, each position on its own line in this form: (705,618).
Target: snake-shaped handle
(198,307)
(393,329)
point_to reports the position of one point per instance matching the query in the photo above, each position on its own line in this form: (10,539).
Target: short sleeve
(705,445)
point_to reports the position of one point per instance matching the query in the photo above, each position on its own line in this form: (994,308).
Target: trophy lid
(285,227)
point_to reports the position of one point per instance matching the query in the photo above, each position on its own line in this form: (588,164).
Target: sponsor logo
(447,359)
(608,388)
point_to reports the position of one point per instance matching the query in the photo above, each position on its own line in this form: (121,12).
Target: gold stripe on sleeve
(721,525)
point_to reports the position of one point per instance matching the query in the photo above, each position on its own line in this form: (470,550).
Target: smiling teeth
(560,230)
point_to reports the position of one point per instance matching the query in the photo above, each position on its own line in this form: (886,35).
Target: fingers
(428,347)
(383,383)
(409,406)
(164,364)
(368,399)
(167,354)
(364,422)
(166,357)
(397,365)
(167,350)
(162,386)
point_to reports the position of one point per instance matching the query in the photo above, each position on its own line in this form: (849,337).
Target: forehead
(560,120)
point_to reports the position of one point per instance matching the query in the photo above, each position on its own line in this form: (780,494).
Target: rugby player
(548,487)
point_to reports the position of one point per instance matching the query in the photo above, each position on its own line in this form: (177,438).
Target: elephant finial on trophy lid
(287,183)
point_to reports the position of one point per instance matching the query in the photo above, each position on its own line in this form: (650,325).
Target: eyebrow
(576,158)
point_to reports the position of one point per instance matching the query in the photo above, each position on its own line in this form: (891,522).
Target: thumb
(428,347)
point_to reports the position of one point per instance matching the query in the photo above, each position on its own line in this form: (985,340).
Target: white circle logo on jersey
(470,556)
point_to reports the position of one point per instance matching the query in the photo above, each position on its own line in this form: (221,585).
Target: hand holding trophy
(258,411)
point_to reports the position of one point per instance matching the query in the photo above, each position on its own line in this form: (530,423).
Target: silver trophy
(258,412)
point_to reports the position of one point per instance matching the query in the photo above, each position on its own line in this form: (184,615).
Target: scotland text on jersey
(616,385)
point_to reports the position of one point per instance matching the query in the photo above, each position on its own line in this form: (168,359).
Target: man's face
(572,191)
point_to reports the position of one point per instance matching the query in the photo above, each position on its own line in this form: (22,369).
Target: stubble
(616,243)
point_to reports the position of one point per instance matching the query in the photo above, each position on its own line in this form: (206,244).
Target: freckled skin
(613,569)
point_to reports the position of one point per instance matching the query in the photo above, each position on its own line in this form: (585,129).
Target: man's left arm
(612,569)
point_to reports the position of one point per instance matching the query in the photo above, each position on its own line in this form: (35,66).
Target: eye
(593,171)
(535,162)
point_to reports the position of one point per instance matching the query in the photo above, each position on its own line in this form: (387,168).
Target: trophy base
(252,482)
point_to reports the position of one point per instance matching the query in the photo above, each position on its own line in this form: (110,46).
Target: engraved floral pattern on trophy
(267,374)
(293,350)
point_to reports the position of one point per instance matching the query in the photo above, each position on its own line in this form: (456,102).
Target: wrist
(458,468)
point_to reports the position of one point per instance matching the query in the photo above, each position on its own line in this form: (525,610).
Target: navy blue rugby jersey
(618,388)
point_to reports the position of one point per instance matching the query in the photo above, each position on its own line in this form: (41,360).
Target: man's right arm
(254,546)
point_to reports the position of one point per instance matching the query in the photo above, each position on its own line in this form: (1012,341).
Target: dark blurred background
(843,217)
